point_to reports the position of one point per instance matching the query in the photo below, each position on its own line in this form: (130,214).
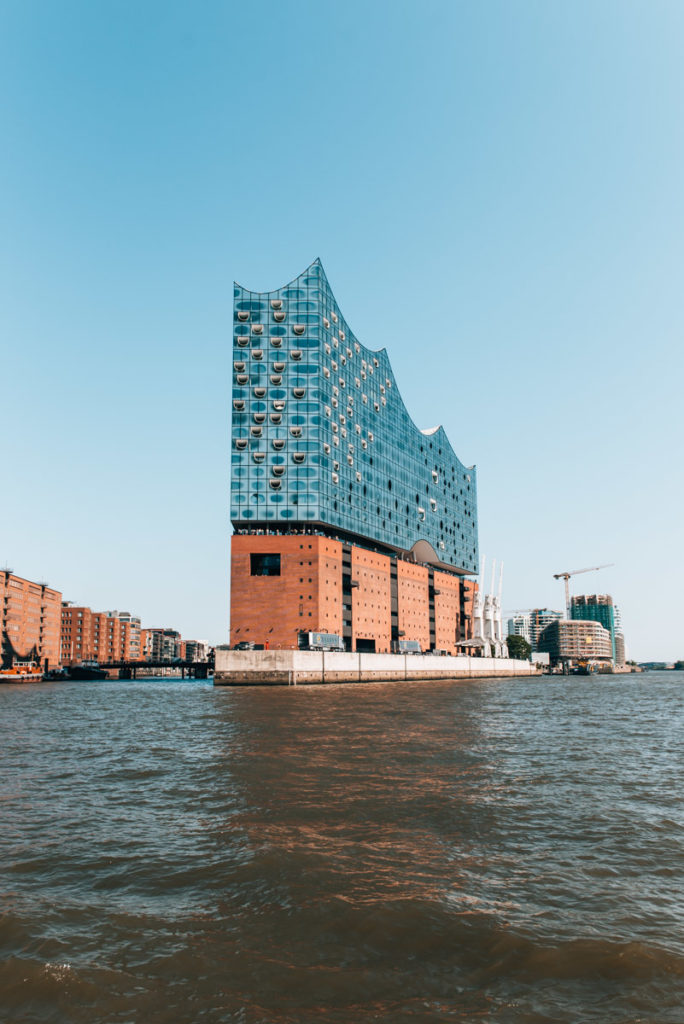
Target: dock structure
(297,668)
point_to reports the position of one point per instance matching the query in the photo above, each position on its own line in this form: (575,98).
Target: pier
(191,669)
(297,668)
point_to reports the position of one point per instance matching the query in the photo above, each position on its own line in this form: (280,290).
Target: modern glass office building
(321,437)
(596,608)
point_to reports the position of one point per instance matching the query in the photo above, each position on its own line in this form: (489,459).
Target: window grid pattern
(320,432)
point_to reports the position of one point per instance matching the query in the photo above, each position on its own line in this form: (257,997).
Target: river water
(492,850)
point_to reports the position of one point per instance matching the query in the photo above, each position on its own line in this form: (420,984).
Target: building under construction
(577,641)
(600,608)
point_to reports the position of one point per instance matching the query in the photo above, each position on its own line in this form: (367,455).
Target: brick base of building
(285,584)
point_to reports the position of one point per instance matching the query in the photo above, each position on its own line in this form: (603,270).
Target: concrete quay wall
(297,668)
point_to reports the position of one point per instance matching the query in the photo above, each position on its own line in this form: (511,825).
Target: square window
(264,564)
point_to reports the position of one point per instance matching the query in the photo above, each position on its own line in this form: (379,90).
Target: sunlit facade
(321,434)
(322,441)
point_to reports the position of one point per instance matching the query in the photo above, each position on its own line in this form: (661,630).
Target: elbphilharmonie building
(327,461)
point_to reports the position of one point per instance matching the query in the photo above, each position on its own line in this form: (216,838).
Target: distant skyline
(506,176)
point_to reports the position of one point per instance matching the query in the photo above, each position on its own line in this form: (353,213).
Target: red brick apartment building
(98,636)
(29,620)
(161,644)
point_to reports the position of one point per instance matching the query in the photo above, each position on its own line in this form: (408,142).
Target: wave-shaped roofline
(294,279)
(429,431)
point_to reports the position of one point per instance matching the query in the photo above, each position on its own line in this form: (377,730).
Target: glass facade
(320,434)
(596,608)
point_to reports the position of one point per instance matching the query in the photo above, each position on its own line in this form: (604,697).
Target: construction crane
(575,572)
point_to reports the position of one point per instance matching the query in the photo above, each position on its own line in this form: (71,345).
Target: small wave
(582,959)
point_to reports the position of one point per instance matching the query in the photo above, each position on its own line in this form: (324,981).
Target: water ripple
(489,851)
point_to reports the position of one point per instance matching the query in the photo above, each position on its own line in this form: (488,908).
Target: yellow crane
(575,572)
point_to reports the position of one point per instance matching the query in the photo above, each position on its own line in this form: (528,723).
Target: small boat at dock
(22,672)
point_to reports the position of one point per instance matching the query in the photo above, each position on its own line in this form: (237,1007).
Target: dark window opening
(264,565)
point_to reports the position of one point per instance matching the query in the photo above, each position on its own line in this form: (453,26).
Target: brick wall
(413,603)
(30,616)
(371,619)
(307,595)
(447,611)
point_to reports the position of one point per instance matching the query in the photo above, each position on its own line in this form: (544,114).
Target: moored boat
(27,672)
(86,670)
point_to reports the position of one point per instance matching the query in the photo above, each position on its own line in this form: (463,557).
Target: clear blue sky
(495,191)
